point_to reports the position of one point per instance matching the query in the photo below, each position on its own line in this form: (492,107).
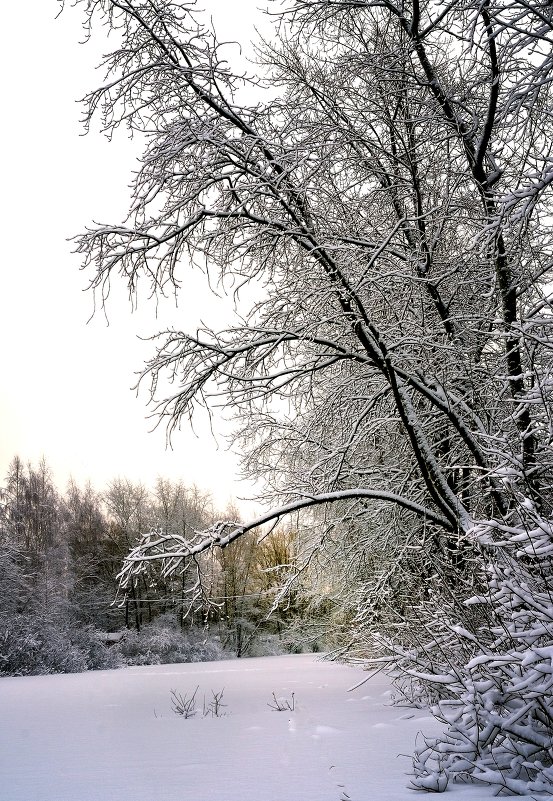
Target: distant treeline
(60,555)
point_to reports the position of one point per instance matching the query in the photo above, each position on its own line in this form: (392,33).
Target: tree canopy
(381,184)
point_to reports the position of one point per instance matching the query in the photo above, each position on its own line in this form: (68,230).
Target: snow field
(113,736)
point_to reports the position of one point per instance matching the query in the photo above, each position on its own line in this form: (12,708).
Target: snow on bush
(489,682)
(163,642)
(34,644)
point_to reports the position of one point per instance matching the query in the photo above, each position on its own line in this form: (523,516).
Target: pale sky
(65,388)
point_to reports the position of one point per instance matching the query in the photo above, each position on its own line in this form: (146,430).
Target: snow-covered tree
(385,195)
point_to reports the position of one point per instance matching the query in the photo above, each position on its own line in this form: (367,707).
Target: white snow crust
(113,736)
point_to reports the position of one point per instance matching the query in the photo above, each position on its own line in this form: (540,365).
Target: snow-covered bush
(163,642)
(34,644)
(489,676)
(268,645)
(91,644)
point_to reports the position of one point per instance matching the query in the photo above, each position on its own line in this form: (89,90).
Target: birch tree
(386,197)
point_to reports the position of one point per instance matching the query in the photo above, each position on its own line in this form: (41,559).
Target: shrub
(163,642)
(37,644)
(487,672)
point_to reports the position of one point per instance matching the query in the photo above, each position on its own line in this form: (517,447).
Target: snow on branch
(173,550)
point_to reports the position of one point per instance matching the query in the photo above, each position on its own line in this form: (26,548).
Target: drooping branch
(173,550)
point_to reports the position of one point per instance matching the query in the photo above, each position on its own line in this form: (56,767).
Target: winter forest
(61,553)
(373,190)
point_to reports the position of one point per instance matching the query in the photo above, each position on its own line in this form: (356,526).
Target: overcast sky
(65,388)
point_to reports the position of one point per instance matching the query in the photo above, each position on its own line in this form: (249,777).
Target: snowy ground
(112,736)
